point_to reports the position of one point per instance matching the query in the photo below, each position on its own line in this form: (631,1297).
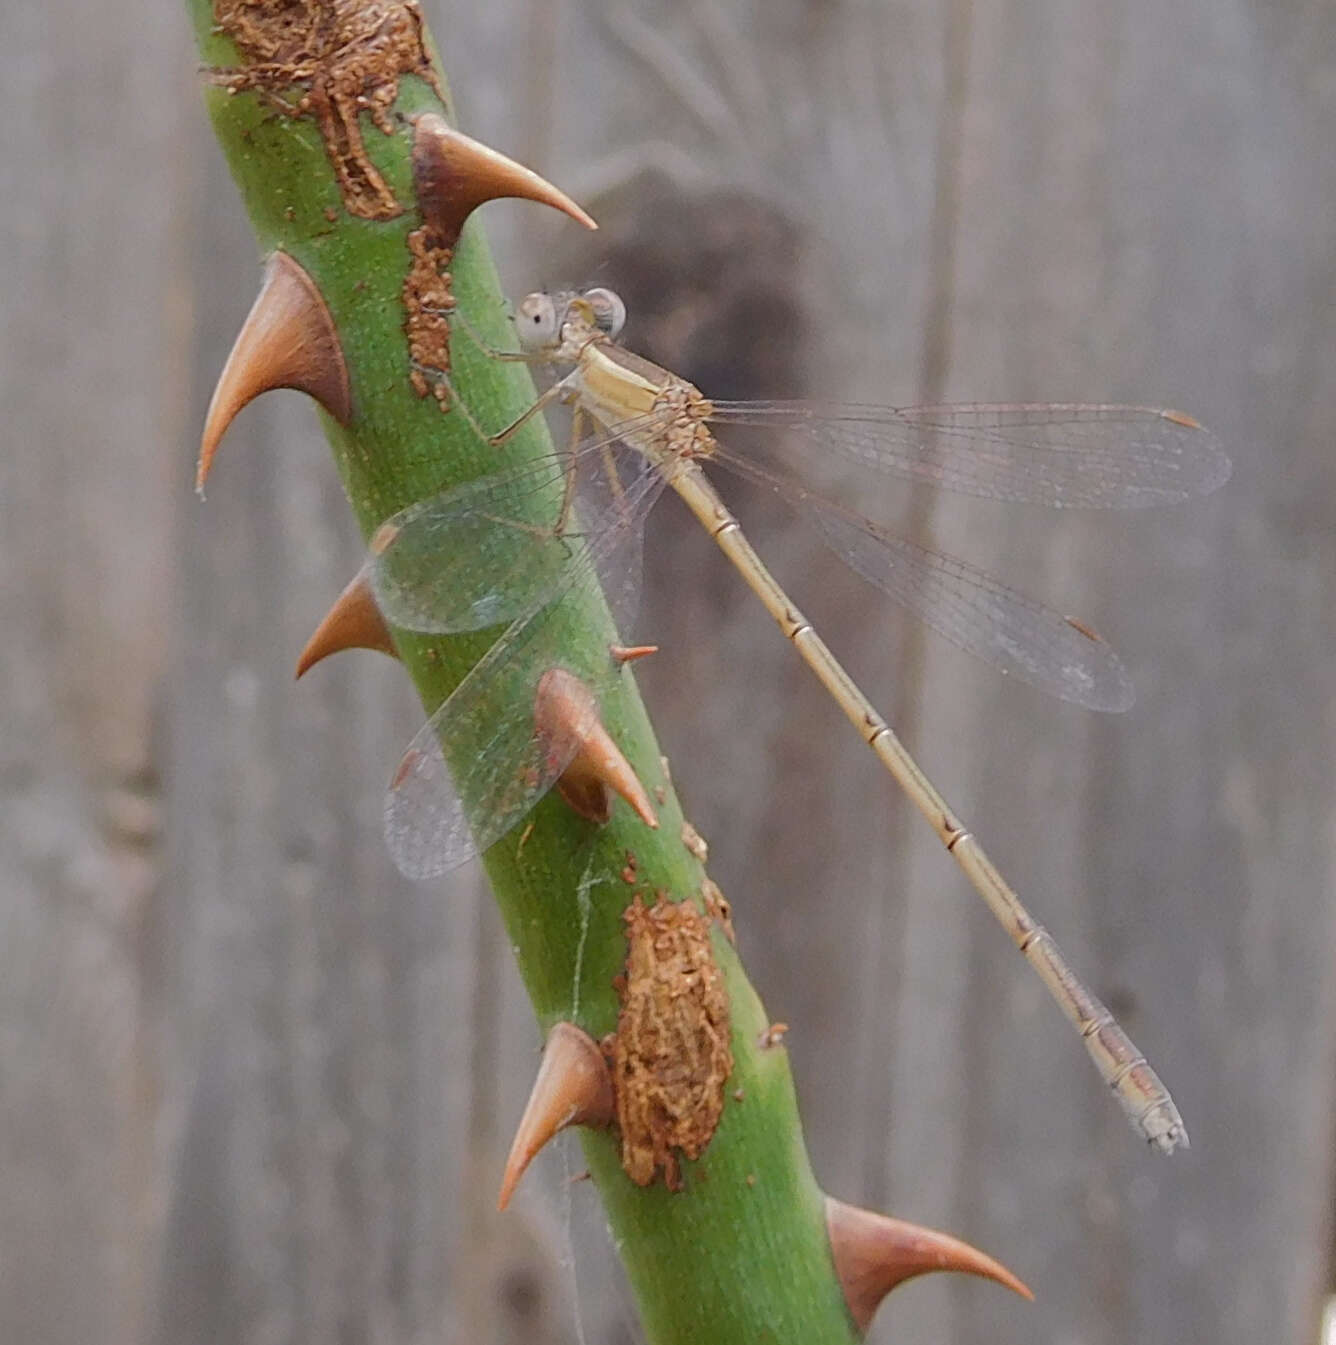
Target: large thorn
(287,341)
(454,175)
(573,1087)
(874,1253)
(354,622)
(566,713)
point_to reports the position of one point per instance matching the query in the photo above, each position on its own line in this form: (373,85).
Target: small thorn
(383,537)
(694,842)
(354,622)
(573,1087)
(874,1253)
(1182,418)
(566,712)
(524,839)
(454,175)
(408,763)
(622,653)
(287,341)
(1081,628)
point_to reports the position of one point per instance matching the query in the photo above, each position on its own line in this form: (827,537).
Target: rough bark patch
(670,1054)
(428,300)
(345,57)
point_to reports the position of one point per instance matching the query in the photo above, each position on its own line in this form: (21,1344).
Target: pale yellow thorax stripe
(615,389)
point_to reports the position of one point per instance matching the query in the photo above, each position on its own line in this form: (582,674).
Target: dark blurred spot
(521,1293)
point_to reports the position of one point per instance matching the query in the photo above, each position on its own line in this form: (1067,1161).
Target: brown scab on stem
(340,59)
(670,1055)
(428,300)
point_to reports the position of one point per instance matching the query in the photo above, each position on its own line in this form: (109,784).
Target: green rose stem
(332,119)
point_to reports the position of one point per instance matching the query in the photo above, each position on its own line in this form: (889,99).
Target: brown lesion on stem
(340,58)
(661,1076)
(428,301)
(671,1056)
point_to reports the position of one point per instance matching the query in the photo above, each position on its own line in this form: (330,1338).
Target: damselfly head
(549,321)
(536,321)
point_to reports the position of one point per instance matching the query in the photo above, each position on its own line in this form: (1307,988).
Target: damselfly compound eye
(609,311)
(536,321)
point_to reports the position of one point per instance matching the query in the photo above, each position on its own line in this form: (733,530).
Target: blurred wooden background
(254,1088)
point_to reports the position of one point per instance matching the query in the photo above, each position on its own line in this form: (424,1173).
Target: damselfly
(507,548)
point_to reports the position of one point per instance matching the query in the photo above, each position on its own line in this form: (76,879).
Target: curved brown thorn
(566,713)
(622,653)
(573,1087)
(874,1253)
(354,622)
(1182,418)
(287,341)
(454,175)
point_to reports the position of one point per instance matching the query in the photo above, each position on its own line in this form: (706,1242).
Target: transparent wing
(493,550)
(966,605)
(477,556)
(479,764)
(610,497)
(436,817)
(1066,456)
